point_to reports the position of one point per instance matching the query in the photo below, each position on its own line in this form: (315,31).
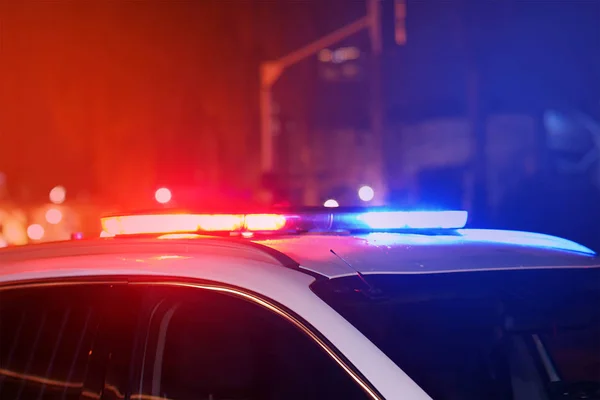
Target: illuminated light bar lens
(169,224)
(189,223)
(393,220)
(265,222)
(214,223)
(105,234)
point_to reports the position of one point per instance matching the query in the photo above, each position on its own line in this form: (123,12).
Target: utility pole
(271,71)
(476,114)
(377,151)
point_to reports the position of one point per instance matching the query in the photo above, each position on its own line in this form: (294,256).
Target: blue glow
(525,239)
(414,219)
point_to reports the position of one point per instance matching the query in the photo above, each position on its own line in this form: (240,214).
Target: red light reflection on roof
(174,236)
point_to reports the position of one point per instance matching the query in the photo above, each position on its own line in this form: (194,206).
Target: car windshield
(528,334)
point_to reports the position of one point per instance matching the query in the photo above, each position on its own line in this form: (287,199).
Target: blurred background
(488,106)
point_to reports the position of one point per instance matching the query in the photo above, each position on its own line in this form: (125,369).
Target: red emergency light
(191,223)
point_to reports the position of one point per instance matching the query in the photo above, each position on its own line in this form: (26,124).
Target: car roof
(458,251)
(242,264)
(374,253)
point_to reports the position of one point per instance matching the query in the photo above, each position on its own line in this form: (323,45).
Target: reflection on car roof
(373,253)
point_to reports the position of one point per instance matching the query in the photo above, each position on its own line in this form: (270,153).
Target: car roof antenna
(371,292)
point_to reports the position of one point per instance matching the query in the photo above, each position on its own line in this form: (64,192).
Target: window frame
(270,306)
(243,294)
(93,384)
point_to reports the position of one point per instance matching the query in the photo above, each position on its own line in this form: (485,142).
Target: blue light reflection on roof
(492,237)
(524,239)
(412,239)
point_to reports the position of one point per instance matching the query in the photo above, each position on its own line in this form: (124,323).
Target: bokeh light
(35,231)
(331,203)
(58,194)
(163,195)
(366,193)
(54,216)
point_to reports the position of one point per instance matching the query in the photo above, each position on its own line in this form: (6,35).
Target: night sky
(116,97)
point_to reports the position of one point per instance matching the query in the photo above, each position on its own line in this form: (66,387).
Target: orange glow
(35,232)
(264,222)
(174,225)
(14,232)
(39,379)
(71,385)
(54,216)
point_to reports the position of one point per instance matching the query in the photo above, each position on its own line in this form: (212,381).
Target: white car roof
(375,253)
(460,251)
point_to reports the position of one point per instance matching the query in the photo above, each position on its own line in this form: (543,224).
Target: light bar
(321,221)
(382,220)
(187,223)
(264,222)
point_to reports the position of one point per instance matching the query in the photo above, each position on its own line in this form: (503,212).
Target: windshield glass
(483,335)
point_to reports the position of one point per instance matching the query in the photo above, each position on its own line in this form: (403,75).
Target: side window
(46,342)
(207,345)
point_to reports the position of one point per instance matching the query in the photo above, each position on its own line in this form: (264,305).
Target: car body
(289,280)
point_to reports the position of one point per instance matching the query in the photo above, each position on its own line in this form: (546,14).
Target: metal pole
(477,123)
(377,115)
(270,73)
(266,128)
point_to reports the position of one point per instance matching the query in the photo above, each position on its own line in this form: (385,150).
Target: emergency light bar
(322,221)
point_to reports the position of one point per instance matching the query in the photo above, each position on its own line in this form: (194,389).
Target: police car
(344,304)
